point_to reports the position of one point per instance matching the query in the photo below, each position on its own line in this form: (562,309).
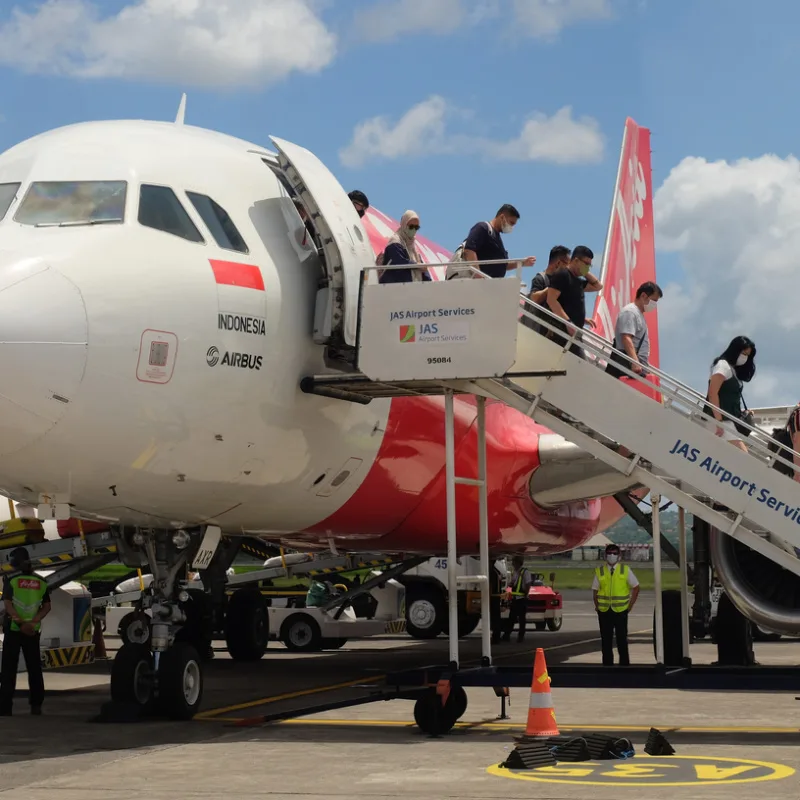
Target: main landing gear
(159,669)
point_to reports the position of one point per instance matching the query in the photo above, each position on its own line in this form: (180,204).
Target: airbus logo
(231,359)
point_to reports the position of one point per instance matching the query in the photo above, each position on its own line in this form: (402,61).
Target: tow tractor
(545,604)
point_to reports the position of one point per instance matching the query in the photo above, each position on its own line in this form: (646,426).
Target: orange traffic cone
(541,713)
(98,640)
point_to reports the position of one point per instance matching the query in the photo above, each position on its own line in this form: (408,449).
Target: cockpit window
(8,191)
(160,208)
(219,223)
(73,203)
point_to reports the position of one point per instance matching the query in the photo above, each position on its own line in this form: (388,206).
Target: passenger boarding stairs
(479,346)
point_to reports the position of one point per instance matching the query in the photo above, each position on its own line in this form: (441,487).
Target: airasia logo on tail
(627,224)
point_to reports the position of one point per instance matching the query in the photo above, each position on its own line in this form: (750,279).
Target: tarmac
(728,744)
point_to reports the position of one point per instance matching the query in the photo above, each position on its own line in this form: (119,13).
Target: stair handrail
(602,349)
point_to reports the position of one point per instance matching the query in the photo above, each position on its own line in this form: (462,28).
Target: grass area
(581,577)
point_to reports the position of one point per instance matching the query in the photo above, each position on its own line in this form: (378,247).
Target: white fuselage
(84,417)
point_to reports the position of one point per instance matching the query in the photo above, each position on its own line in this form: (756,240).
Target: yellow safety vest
(614,592)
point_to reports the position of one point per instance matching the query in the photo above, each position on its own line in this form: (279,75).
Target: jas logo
(408,333)
(231,359)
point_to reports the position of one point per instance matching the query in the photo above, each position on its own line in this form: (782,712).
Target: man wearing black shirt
(484,243)
(565,295)
(559,257)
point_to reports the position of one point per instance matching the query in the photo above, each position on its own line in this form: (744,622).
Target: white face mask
(507,227)
(612,559)
(649,306)
(742,360)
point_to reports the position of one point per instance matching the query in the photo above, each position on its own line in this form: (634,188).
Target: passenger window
(160,208)
(73,203)
(8,191)
(219,223)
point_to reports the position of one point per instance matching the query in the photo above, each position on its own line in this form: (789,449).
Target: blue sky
(713,79)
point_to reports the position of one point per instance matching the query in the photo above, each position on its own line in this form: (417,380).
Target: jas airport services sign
(455,329)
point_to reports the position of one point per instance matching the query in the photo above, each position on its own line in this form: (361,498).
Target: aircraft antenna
(179,119)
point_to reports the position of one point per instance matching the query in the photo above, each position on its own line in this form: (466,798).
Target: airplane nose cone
(43,341)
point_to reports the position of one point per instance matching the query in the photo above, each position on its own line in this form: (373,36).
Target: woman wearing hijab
(402,249)
(729,372)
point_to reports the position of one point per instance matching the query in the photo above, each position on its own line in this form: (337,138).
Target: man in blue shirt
(485,243)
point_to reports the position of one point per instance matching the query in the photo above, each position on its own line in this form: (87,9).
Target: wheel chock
(657,744)
(574,749)
(530,755)
(600,746)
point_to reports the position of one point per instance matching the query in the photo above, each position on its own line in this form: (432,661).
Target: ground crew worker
(517,587)
(26,598)
(615,589)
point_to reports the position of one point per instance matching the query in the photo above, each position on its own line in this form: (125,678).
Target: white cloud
(547,18)
(559,139)
(215,43)
(736,228)
(394,18)
(423,131)
(391,19)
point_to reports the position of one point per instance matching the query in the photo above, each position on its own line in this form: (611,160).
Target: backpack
(457,271)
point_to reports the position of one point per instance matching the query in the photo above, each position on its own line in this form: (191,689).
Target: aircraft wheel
(301,634)
(426,612)
(247,625)
(134,628)
(180,681)
(555,623)
(132,676)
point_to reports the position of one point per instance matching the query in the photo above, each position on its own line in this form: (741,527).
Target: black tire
(301,634)
(247,625)
(673,636)
(137,623)
(132,676)
(555,623)
(456,704)
(180,682)
(426,612)
(431,717)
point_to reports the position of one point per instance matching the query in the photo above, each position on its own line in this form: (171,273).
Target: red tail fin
(629,258)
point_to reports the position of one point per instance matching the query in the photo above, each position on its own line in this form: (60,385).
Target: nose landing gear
(156,671)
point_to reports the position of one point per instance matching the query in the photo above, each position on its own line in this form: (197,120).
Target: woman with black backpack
(729,372)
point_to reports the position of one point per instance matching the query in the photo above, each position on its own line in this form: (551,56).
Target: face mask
(411,232)
(612,559)
(742,360)
(649,306)
(507,228)
(585,269)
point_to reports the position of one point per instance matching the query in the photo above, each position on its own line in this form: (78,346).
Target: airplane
(161,304)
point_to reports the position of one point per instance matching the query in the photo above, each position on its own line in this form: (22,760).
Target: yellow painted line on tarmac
(215,712)
(519,726)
